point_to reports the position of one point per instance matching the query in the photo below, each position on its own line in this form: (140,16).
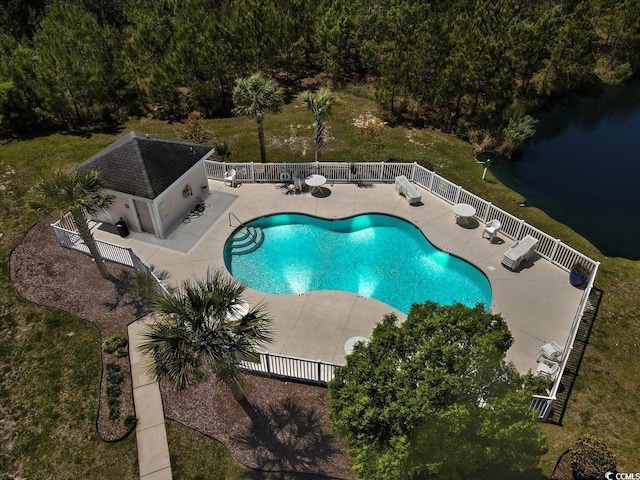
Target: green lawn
(51,362)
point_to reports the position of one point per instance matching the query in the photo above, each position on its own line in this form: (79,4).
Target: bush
(581,269)
(129,421)
(591,459)
(200,375)
(115,345)
(114,374)
(114,408)
(516,134)
(222,151)
(113,389)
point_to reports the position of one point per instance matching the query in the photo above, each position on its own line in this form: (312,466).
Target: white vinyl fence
(67,236)
(552,249)
(543,404)
(282,366)
(315,371)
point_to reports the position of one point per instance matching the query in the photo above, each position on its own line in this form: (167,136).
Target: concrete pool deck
(537,301)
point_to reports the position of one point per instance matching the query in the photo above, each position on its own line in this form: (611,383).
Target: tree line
(473,68)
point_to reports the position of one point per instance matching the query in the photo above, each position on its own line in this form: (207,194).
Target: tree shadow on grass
(286,437)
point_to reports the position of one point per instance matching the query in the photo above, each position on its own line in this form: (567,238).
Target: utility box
(123,230)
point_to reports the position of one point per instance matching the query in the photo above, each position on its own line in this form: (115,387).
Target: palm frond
(70,192)
(190,328)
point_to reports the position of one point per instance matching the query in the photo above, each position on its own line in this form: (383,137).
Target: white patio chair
(491,228)
(547,368)
(230,177)
(298,181)
(550,351)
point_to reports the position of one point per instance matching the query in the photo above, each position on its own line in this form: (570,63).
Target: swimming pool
(374,255)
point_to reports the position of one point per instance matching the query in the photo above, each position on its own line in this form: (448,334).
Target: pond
(583,168)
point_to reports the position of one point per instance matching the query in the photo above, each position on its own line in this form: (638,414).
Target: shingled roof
(144,165)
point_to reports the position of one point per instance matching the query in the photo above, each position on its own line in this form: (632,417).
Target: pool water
(374,255)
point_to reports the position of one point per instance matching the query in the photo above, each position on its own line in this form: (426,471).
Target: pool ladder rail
(246,239)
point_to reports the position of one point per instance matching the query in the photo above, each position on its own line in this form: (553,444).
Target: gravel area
(281,426)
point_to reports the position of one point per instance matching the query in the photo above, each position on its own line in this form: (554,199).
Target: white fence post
(486,213)
(458,194)
(268,364)
(520,227)
(552,256)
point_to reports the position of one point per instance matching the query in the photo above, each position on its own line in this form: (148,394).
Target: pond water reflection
(583,168)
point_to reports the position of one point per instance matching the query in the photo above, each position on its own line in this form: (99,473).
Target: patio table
(349,344)
(315,182)
(464,211)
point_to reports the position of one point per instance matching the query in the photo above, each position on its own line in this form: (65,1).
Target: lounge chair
(491,228)
(547,368)
(522,250)
(230,177)
(405,188)
(550,351)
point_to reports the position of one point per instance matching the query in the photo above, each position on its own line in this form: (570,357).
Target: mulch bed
(53,276)
(563,470)
(281,426)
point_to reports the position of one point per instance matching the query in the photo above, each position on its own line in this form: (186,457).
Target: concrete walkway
(151,435)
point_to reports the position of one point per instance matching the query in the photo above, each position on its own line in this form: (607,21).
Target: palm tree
(254,96)
(78,194)
(190,330)
(320,106)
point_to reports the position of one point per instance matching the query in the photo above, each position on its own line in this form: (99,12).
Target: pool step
(246,240)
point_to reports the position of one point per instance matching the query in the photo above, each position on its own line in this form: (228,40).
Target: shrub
(194,129)
(129,421)
(200,375)
(114,408)
(581,269)
(114,374)
(591,459)
(516,133)
(115,345)
(222,151)
(113,389)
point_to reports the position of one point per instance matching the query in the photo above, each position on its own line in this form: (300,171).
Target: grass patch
(51,361)
(194,456)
